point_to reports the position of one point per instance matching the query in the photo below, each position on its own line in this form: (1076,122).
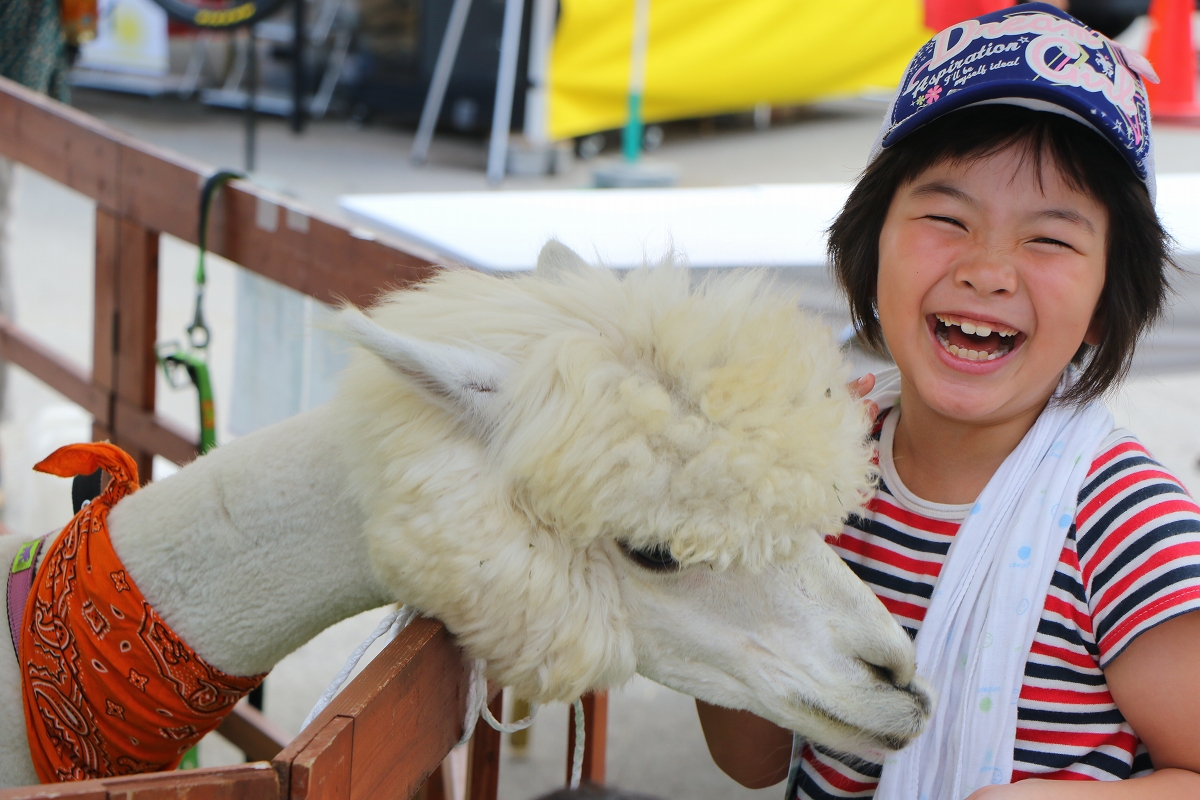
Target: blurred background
(730,132)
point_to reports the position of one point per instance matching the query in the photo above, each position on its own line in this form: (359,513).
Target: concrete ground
(655,745)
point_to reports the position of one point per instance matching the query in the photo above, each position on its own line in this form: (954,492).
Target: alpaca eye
(657,558)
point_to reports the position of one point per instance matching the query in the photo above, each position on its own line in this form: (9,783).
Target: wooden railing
(395,723)
(380,738)
(140,192)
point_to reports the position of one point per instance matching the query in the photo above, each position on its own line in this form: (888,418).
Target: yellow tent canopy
(718,56)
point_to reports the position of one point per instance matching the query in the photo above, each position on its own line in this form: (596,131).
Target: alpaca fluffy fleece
(713,420)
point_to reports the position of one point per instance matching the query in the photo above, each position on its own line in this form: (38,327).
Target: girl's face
(988,282)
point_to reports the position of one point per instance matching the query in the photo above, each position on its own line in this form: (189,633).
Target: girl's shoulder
(1137,536)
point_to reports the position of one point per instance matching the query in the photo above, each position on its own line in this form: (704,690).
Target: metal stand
(330,34)
(440,80)
(191,75)
(541,33)
(506,80)
(632,172)
(333,71)
(299,112)
(251,97)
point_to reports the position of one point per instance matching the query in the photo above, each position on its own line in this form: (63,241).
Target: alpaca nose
(887,674)
(891,659)
(883,672)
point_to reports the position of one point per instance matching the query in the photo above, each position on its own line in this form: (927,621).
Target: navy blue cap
(1031,55)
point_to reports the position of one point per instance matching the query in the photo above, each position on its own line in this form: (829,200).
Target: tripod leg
(506,79)
(440,80)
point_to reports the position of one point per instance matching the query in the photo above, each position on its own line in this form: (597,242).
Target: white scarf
(987,603)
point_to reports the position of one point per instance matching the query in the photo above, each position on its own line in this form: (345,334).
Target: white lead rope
(477,705)
(398,620)
(577,753)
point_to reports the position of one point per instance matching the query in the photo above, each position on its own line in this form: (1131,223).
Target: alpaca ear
(558,259)
(464,381)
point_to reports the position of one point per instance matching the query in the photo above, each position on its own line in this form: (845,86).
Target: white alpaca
(583,476)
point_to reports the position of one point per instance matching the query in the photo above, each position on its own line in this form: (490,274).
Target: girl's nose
(988,271)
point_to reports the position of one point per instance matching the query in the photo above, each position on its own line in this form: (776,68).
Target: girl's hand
(862,387)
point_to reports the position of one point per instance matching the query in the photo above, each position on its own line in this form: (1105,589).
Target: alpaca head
(586,476)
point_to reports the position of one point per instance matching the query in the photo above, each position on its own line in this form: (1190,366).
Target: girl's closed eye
(1055,243)
(948,220)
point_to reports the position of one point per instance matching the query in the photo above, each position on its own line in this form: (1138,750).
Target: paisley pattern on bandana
(108,688)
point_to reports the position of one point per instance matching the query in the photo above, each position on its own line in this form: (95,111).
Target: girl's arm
(749,749)
(754,752)
(1155,685)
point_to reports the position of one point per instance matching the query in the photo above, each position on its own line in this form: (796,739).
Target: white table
(739,226)
(780,225)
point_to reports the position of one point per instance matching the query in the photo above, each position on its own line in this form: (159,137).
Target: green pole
(631,140)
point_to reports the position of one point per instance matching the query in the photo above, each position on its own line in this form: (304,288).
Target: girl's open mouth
(975,340)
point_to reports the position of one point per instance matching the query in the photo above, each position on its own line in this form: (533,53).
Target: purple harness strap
(20,583)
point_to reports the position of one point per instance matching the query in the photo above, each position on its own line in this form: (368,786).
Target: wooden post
(126,327)
(483,770)
(322,771)
(407,706)
(137,330)
(595,732)
(104,322)
(438,786)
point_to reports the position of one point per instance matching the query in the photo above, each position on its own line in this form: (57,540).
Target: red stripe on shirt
(1066,697)
(1116,537)
(889,557)
(912,519)
(835,778)
(1113,452)
(1117,487)
(1145,613)
(1090,740)
(1136,575)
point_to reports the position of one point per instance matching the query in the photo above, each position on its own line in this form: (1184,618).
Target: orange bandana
(108,688)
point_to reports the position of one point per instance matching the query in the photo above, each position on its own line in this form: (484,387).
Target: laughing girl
(1002,247)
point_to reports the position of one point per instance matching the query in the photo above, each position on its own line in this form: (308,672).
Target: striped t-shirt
(1130,562)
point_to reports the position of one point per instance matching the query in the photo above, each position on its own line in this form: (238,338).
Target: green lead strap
(198,331)
(197,371)
(194,360)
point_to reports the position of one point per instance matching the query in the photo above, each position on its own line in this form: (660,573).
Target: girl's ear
(1095,330)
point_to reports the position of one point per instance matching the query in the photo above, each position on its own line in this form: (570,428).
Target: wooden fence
(393,725)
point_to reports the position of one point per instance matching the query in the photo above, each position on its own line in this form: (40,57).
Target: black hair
(1138,257)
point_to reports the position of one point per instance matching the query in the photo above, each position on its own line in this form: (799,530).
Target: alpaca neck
(255,548)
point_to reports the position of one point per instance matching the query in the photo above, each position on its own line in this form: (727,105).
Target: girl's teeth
(981,329)
(971,355)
